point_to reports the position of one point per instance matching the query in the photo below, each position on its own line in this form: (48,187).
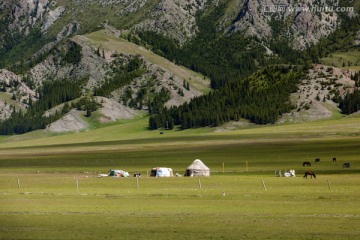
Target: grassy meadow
(39,198)
(350,59)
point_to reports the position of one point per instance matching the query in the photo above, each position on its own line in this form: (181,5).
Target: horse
(334,159)
(317,160)
(310,173)
(137,174)
(306,164)
(346,165)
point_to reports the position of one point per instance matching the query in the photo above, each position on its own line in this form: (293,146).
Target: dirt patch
(230,126)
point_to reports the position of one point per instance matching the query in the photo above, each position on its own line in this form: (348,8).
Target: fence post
(199,184)
(18,182)
(137,182)
(329,184)
(263,184)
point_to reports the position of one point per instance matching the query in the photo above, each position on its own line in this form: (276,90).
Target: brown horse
(306,164)
(310,173)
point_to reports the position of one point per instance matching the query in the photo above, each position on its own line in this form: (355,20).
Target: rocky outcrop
(112,110)
(174,19)
(313,100)
(71,122)
(51,17)
(12,84)
(304,22)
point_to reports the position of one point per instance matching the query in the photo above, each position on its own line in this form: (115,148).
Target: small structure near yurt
(115,173)
(161,172)
(197,169)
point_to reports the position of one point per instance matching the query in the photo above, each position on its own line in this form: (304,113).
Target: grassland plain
(49,206)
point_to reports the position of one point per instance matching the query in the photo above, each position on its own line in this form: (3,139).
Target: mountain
(115,58)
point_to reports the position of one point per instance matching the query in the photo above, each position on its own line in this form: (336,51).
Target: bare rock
(71,122)
(112,110)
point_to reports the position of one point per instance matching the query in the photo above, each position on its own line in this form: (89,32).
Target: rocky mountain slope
(293,19)
(44,41)
(314,97)
(54,20)
(96,64)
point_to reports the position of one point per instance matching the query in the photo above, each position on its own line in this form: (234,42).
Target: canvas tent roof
(197,168)
(161,172)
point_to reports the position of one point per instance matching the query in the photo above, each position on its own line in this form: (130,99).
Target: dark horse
(310,173)
(317,159)
(306,164)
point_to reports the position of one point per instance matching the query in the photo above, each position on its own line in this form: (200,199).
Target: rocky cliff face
(173,18)
(302,22)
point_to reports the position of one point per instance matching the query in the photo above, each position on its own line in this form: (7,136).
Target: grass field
(49,206)
(337,59)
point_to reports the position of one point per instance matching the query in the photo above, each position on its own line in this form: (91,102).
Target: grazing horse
(306,164)
(317,160)
(334,159)
(347,165)
(310,173)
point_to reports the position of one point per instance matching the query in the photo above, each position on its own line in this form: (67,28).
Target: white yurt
(161,172)
(197,168)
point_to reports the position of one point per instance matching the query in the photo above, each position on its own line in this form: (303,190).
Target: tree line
(51,94)
(351,101)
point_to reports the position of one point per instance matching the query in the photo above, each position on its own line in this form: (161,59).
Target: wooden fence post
(263,184)
(329,184)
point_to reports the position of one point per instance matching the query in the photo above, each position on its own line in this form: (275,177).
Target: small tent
(161,172)
(197,168)
(118,173)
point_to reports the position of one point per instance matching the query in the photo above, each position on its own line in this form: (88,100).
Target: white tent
(197,168)
(115,173)
(161,172)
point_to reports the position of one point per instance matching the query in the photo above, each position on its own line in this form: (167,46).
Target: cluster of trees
(261,98)
(73,54)
(87,104)
(157,109)
(356,78)
(51,94)
(351,101)
(122,75)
